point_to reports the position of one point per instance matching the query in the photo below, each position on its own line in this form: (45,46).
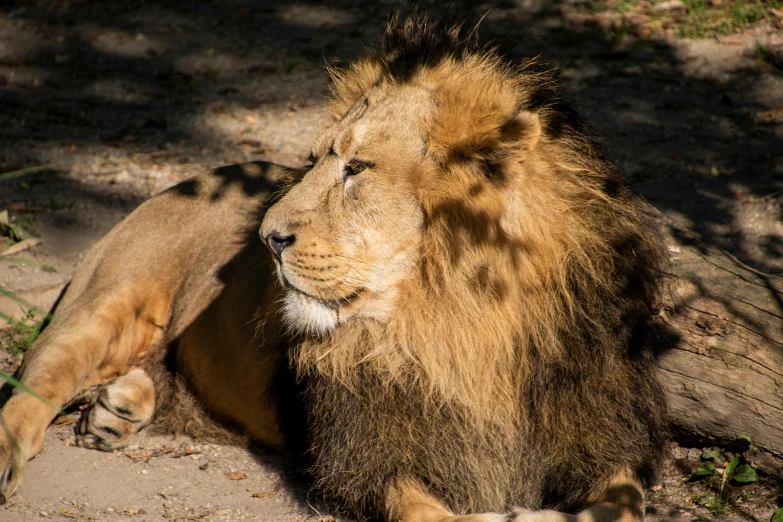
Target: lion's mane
(514,369)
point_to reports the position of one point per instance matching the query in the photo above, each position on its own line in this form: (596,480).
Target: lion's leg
(121,409)
(91,344)
(407,501)
(623,501)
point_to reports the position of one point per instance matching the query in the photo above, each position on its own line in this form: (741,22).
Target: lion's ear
(486,138)
(528,127)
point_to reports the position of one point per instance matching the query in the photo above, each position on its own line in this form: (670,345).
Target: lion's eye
(354,167)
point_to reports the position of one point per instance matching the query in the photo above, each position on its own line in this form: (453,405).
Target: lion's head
(351,230)
(456,215)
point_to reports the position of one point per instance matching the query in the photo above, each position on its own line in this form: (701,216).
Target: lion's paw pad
(122,408)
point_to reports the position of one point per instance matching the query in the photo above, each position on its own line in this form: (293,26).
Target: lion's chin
(308,315)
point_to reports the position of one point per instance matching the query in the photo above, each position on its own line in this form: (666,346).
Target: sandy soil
(118,100)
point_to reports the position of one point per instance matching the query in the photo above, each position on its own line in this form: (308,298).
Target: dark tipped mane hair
(416,40)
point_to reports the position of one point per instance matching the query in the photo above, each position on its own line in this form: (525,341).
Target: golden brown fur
(465,284)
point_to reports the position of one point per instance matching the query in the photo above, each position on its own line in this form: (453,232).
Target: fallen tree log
(720,357)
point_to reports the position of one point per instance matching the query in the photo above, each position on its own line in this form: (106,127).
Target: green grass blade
(27,262)
(17,384)
(23,172)
(29,306)
(729,470)
(13,440)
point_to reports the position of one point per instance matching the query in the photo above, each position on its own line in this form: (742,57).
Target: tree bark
(721,357)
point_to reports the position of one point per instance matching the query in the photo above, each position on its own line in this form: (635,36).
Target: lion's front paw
(12,465)
(23,421)
(521,514)
(122,408)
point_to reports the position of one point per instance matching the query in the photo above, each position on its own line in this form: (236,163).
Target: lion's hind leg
(118,412)
(623,501)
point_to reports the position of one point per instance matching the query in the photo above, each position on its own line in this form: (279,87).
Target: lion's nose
(277,242)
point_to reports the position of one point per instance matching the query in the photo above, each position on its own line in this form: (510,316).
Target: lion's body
(466,282)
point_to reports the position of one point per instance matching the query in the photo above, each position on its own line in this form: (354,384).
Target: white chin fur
(307,315)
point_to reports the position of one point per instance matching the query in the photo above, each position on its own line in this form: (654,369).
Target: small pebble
(204,466)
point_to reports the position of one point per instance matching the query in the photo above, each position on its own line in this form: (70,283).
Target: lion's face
(350,230)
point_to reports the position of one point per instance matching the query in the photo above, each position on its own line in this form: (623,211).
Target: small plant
(56,204)
(714,503)
(20,334)
(287,63)
(617,33)
(15,229)
(720,479)
(767,55)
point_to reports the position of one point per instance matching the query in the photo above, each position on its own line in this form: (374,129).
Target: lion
(451,323)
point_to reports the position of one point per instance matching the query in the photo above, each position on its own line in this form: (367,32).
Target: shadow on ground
(139,83)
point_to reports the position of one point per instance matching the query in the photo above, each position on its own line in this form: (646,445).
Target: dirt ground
(111,102)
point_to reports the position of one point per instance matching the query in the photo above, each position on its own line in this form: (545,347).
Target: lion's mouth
(333,304)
